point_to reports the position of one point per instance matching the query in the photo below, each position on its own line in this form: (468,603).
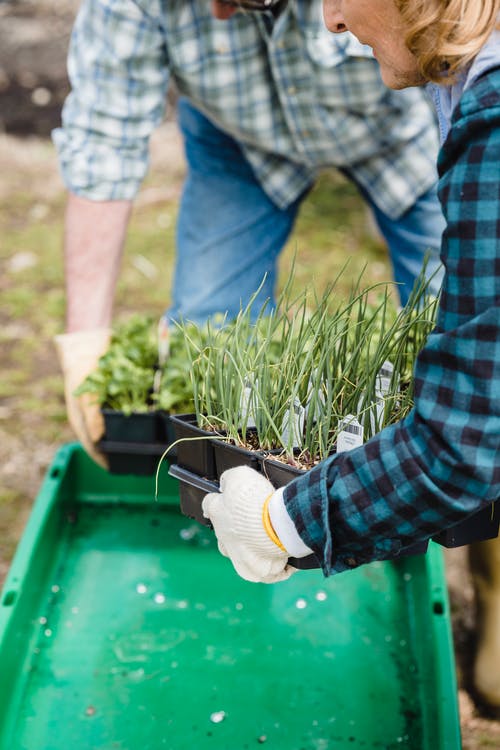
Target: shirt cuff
(284,527)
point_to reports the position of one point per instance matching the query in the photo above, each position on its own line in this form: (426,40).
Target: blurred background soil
(33,83)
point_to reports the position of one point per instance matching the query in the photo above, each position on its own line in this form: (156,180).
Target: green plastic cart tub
(122,627)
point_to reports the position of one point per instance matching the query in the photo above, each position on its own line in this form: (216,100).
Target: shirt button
(352,562)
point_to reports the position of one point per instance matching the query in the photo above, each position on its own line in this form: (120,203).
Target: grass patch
(332,227)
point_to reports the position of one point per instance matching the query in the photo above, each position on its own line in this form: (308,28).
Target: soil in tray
(172,644)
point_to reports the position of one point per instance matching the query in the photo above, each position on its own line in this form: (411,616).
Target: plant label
(315,398)
(350,435)
(247,405)
(383,381)
(292,427)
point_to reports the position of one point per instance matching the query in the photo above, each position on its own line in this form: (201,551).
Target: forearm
(93,244)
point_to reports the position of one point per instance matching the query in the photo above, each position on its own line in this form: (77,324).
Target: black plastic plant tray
(279,473)
(195,451)
(229,456)
(192,490)
(478,527)
(139,427)
(134,458)
(134,444)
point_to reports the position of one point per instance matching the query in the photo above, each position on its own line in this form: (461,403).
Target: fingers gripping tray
(121,626)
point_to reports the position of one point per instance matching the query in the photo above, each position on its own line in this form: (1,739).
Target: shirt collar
(446,98)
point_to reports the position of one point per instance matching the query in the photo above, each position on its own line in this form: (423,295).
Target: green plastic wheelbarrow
(121,626)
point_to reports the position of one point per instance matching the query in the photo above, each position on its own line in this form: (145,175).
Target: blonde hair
(445,35)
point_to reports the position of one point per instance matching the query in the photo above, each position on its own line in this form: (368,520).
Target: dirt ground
(33,42)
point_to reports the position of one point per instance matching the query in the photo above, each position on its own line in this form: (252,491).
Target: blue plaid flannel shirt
(297,99)
(442,462)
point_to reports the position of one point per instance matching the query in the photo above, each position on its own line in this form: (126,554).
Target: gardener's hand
(239,516)
(78,355)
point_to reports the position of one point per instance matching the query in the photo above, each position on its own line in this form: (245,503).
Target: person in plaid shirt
(268,100)
(442,462)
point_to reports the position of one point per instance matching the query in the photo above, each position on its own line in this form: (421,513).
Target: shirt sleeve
(118,70)
(442,462)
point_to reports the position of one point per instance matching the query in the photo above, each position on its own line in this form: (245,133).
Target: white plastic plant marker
(350,434)
(292,427)
(318,399)
(247,404)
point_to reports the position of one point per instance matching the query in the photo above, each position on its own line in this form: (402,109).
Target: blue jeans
(230,234)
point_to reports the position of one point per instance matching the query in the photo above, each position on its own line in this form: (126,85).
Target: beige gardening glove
(78,355)
(244,532)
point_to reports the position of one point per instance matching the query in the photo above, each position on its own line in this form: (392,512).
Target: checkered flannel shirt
(297,98)
(442,462)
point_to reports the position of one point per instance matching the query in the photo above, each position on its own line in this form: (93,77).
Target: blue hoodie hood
(446,98)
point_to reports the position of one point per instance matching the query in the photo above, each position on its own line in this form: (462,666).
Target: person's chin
(400,80)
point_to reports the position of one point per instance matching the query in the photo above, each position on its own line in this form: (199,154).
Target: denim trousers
(230,234)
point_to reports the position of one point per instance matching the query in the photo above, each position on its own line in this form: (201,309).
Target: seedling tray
(121,626)
(192,490)
(195,451)
(134,444)
(480,526)
(134,458)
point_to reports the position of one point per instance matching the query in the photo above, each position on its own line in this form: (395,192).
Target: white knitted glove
(78,355)
(236,513)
